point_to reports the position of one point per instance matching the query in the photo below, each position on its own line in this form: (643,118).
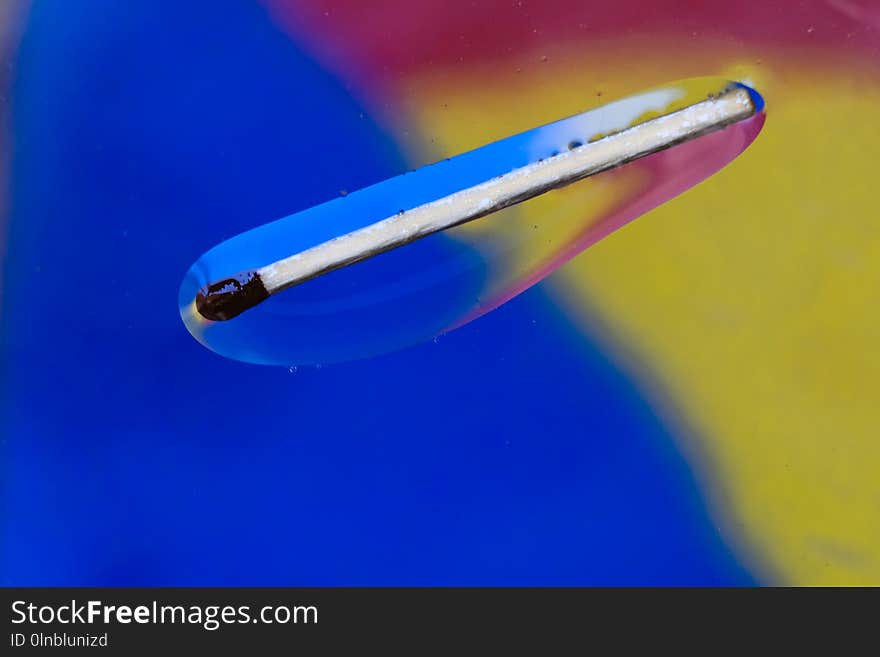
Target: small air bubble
(292,369)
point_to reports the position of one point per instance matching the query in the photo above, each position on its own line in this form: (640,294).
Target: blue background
(511,451)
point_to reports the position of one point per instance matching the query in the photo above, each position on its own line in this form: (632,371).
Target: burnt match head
(230,297)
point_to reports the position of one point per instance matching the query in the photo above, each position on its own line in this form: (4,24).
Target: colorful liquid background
(692,400)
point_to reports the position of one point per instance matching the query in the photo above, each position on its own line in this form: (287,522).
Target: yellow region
(749,307)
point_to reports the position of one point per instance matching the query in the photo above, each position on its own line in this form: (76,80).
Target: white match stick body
(519,185)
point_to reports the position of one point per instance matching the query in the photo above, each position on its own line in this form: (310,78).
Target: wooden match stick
(230,297)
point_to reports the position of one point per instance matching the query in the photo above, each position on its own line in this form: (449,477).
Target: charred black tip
(230,297)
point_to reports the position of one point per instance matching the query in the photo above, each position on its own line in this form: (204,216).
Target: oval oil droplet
(415,292)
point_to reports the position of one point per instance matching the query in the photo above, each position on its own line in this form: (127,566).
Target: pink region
(380,43)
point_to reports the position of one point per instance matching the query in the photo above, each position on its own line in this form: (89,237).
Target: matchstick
(230,297)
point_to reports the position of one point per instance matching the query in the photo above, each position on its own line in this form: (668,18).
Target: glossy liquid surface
(418,291)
